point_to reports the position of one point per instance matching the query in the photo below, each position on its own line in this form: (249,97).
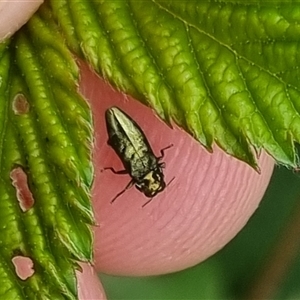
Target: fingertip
(89,285)
(211,198)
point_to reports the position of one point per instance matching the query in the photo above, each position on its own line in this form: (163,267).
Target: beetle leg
(147,202)
(162,151)
(128,186)
(116,172)
(170,181)
(162,165)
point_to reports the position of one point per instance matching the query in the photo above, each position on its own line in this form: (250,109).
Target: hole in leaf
(20,105)
(24,195)
(23,266)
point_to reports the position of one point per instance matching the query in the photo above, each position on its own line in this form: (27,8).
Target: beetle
(131,145)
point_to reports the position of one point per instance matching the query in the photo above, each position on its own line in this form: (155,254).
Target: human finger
(14,14)
(210,199)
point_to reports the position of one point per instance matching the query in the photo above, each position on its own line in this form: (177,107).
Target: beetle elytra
(131,145)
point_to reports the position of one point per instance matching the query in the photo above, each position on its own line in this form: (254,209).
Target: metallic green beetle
(130,143)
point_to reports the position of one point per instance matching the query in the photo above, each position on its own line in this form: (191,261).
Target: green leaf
(46,134)
(225,71)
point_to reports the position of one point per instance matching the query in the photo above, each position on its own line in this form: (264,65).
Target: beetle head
(152,183)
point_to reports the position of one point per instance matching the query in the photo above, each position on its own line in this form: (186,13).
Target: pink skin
(210,200)
(14,14)
(89,285)
(205,206)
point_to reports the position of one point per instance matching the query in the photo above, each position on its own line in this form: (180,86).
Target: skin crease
(208,202)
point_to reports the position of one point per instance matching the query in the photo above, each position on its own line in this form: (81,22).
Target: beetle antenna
(147,202)
(128,186)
